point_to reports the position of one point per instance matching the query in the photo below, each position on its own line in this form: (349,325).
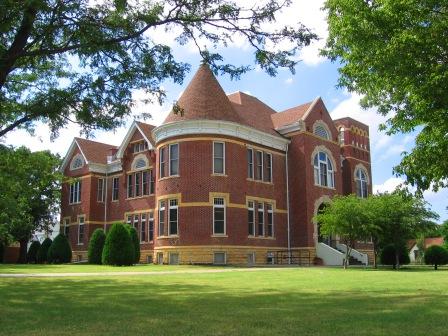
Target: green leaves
(395,54)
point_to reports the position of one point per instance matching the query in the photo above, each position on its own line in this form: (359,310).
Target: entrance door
(160,258)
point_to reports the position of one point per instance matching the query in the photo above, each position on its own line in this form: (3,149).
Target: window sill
(138,197)
(168,177)
(259,181)
(324,187)
(114,201)
(261,237)
(168,237)
(219,175)
(219,236)
(77,203)
(80,244)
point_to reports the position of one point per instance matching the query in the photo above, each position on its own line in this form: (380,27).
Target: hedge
(31,256)
(42,254)
(60,250)
(436,255)
(96,245)
(387,256)
(135,241)
(118,249)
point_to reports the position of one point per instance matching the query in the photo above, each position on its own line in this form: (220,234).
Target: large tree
(80,61)
(395,54)
(30,193)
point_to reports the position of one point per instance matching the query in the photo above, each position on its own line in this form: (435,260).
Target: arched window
(361,183)
(321,131)
(341,135)
(139,163)
(323,170)
(77,162)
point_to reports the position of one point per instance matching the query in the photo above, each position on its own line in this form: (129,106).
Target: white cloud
(289,81)
(388,186)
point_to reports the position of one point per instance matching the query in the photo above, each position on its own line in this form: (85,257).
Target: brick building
(224,179)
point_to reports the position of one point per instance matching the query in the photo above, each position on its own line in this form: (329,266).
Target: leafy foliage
(25,209)
(394,53)
(42,254)
(118,248)
(135,241)
(31,257)
(389,254)
(436,255)
(60,250)
(96,245)
(80,61)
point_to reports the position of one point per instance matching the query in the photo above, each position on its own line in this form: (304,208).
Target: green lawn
(299,301)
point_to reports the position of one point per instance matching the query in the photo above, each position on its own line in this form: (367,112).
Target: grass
(297,301)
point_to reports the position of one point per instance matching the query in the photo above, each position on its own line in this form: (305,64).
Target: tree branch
(16,123)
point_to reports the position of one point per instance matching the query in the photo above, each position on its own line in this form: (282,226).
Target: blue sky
(315,76)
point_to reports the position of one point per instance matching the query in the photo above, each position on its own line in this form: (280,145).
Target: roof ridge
(98,142)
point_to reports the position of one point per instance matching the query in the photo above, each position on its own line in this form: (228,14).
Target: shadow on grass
(213,305)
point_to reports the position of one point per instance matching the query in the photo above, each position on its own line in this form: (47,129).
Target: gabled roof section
(292,115)
(144,129)
(92,151)
(253,112)
(203,99)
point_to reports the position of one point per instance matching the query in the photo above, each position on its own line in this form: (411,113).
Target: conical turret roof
(203,98)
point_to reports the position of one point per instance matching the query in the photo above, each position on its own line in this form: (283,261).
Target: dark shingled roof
(94,151)
(146,129)
(290,116)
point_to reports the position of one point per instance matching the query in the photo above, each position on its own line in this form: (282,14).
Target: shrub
(60,250)
(387,256)
(436,255)
(96,245)
(42,254)
(31,256)
(135,242)
(118,248)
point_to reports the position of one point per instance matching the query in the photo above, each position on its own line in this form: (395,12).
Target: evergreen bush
(436,255)
(387,256)
(31,256)
(135,241)
(42,254)
(118,248)
(60,250)
(96,245)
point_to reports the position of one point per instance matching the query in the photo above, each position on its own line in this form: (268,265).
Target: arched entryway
(328,240)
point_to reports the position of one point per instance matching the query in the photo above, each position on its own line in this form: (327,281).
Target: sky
(315,76)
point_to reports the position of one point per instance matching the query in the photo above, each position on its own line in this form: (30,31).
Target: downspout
(105,202)
(287,206)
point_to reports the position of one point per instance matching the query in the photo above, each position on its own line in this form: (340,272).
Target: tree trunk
(435,267)
(22,251)
(397,259)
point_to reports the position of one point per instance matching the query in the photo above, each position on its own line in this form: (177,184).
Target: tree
(135,242)
(30,185)
(96,245)
(31,256)
(118,249)
(389,253)
(400,216)
(436,255)
(60,250)
(346,217)
(395,54)
(42,254)
(79,61)
(444,232)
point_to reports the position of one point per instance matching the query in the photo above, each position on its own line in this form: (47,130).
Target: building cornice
(194,127)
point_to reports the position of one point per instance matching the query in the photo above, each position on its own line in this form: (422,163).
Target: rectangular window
(251,218)
(143,229)
(259,156)
(151,227)
(145,190)
(75,192)
(130,186)
(174,258)
(100,190)
(323,174)
(151,182)
(218,158)
(137,177)
(270,220)
(80,230)
(162,162)
(135,222)
(219,258)
(115,188)
(250,163)
(268,177)
(162,218)
(260,219)
(219,216)
(174,159)
(173,217)
(66,226)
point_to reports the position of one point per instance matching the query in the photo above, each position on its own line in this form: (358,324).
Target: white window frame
(250,164)
(173,204)
(130,184)
(135,222)
(170,159)
(260,208)
(66,222)
(150,220)
(143,228)
(81,223)
(260,178)
(77,158)
(129,220)
(362,183)
(115,187)
(251,208)
(101,187)
(162,207)
(223,158)
(162,161)
(269,166)
(219,206)
(75,193)
(329,172)
(270,211)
